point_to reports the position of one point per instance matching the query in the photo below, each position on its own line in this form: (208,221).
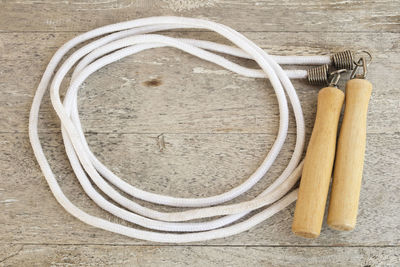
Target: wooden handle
(349,162)
(317,170)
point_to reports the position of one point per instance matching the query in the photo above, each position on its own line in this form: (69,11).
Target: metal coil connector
(318,75)
(343,60)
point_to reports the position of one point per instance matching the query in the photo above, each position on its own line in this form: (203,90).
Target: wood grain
(202,164)
(101,255)
(318,164)
(116,98)
(287,15)
(349,160)
(196,130)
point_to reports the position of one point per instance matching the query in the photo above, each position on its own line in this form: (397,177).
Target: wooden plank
(321,16)
(200,128)
(194,131)
(188,165)
(100,255)
(196,97)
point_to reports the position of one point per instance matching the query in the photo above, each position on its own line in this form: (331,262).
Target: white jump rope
(119,40)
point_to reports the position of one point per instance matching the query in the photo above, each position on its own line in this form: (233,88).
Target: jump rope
(114,42)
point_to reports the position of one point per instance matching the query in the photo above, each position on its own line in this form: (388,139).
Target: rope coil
(127,38)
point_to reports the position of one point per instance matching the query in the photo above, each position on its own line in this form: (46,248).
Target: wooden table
(171,123)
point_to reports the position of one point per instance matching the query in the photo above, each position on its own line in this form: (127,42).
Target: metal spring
(343,60)
(318,75)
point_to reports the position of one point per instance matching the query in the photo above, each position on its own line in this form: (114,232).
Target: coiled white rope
(120,40)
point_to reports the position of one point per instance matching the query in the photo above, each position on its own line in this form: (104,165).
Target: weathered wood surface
(196,130)
(100,255)
(197,96)
(202,164)
(249,15)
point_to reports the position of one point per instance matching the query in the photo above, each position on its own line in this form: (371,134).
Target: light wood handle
(349,161)
(317,170)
